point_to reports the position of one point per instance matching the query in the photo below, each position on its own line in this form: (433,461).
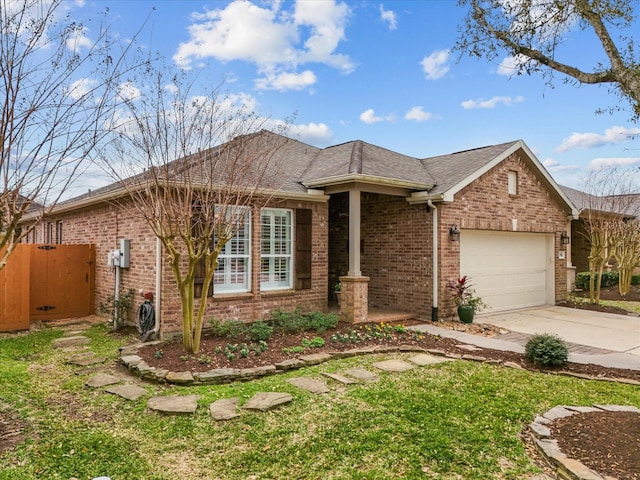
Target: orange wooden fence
(46,282)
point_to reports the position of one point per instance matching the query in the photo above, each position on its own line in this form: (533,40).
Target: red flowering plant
(464,294)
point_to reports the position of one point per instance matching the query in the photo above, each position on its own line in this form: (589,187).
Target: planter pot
(337,297)
(466,313)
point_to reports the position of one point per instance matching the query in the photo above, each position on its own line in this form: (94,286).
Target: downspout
(434,280)
(158,294)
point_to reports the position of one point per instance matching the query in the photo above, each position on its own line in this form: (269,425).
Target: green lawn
(458,420)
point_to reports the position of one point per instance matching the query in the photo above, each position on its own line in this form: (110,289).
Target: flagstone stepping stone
(75,349)
(72,333)
(174,404)
(394,365)
(90,370)
(86,361)
(469,348)
(424,359)
(362,374)
(127,391)
(224,409)
(340,378)
(71,341)
(309,384)
(264,401)
(102,380)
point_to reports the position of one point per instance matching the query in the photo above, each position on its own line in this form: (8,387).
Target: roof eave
(365,179)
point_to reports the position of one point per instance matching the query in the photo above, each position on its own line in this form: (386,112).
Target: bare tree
(532,32)
(626,252)
(55,88)
(193,202)
(609,209)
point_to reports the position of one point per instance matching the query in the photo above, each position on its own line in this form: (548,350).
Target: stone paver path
(309,384)
(362,374)
(422,359)
(341,378)
(394,366)
(127,391)
(174,404)
(74,341)
(264,401)
(224,409)
(102,380)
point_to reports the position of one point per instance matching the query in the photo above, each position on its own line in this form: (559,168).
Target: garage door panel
(507,269)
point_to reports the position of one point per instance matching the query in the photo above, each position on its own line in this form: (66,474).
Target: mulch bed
(595,449)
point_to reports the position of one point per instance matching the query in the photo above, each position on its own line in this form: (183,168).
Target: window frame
(512,182)
(272,256)
(226,259)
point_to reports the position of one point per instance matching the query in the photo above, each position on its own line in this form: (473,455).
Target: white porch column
(354,233)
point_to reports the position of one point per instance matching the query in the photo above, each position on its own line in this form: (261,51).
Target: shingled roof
(297,167)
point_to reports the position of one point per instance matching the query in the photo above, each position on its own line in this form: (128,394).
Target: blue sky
(383,72)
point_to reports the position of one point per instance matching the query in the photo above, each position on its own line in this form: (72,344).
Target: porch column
(354,299)
(354,233)
(571,270)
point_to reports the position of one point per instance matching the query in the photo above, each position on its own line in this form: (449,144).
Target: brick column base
(354,302)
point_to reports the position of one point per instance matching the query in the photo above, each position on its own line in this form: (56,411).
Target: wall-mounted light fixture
(454,234)
(564,238)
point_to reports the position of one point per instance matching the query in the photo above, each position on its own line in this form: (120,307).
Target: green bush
(260,331)
(229,328)
(609,279)
(547,350)
(297,321)
(321,322)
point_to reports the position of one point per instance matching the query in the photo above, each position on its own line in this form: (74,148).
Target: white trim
(270,285)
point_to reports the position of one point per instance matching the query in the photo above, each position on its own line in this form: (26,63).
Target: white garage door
(508,269)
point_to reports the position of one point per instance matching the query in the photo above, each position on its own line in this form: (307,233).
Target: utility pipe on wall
(434,280)
(158,295)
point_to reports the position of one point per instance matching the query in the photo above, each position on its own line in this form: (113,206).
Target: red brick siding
(397,253)
(486,205)
(105,225)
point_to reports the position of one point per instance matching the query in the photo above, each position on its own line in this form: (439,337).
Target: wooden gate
(61,281)
(14,291)
(55,281)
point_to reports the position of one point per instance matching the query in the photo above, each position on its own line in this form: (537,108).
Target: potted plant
(337,289)
(464,296)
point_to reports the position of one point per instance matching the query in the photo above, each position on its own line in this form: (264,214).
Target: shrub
(547,350)
(229,328)
(321,322)
(289,322)
(260,331)
(609,279)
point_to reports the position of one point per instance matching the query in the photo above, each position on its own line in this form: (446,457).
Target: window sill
(287,292)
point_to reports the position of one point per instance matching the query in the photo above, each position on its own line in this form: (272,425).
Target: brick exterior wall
(397,248)
(486,205)
(104,225)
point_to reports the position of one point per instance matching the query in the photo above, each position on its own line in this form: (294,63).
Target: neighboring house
(375,220)
(619,206)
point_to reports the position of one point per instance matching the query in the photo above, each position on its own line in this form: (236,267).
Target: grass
(633,307)
(448,421)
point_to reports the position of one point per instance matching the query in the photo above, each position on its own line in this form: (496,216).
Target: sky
(384,72)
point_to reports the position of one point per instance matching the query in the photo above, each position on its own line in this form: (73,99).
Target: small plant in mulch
(547,350)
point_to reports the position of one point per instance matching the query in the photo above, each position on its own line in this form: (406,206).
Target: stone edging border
(565,467)
(135,364)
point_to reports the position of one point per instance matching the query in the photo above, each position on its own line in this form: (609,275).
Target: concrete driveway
(618,333)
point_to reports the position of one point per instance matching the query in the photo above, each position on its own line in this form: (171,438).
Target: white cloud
(389,16)
(369,116)
(510,65)
(611,136)
(78,39)
(312,133)
(418,114)
(128,91)
(612,162)
(286,81)
(80,88)
(492,102)
(276,41)
(555,166)
(435,65)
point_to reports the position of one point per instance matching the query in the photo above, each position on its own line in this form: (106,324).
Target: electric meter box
(124,253)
